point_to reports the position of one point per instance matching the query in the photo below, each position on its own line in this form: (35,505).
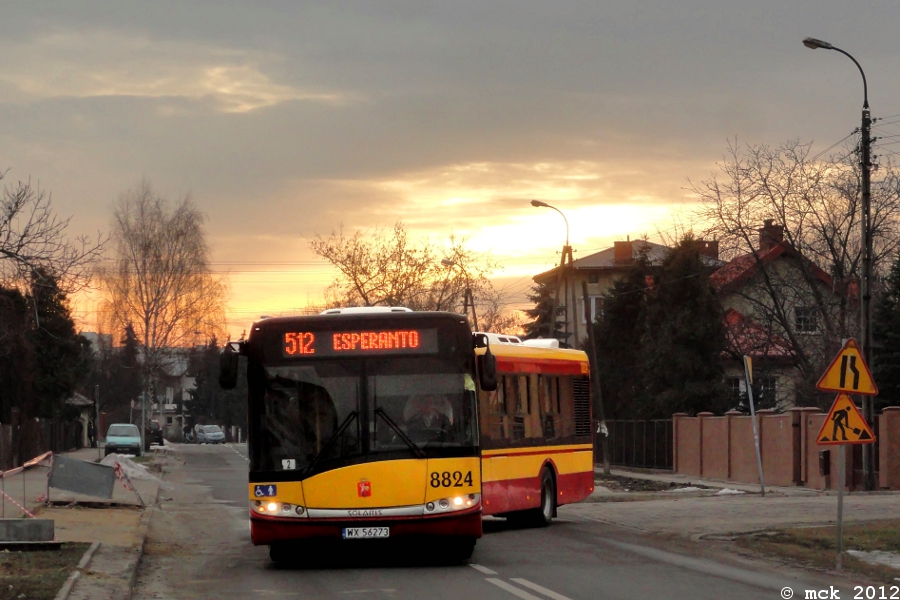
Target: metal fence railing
(645,444)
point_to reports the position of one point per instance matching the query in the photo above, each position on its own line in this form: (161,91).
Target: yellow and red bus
(389,423)
(536,442)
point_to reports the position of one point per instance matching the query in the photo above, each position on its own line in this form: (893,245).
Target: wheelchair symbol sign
(264,491)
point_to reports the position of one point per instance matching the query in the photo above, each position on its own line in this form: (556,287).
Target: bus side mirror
(487,371)
(228,367)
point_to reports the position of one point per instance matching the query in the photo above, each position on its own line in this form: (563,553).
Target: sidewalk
(695,517)
(108,572)
(716,484)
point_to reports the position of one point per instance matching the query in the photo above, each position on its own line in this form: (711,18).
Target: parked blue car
(123,438)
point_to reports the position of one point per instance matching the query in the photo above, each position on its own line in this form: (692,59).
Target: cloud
(109,64)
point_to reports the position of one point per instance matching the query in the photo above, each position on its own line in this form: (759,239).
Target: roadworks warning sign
(845,424)
(848,373)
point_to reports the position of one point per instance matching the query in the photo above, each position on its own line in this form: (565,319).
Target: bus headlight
(455,503)
(278,509)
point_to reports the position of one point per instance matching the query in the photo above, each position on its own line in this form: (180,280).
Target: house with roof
(600,271)
(786,313)
(779,308)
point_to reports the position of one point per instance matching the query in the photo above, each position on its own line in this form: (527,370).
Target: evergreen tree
(886,333)
(683,338)
(16,354)
(617,334)
(539,326)
(62,357)
(209,402)
(117,372)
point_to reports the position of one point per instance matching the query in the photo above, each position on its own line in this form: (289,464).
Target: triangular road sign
(845,424)
(848,373)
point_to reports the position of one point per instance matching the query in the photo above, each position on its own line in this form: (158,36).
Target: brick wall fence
(721,447)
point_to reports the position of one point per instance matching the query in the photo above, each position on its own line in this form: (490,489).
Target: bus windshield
(424,403)
(315,414)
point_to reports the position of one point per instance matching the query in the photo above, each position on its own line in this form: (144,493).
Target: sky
(288,120)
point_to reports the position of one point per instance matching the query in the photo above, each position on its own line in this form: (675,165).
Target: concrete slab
(26,530)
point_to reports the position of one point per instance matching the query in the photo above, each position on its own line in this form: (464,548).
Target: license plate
(361,533)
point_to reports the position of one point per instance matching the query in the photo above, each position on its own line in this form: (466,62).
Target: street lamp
(865,287)
(467,295)
(538,203)
(566,253)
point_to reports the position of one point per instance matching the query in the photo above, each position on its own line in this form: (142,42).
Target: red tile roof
(738,270)
(746,337)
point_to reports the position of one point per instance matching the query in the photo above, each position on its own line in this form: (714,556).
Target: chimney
(770,235)
(709,249)
(623,253)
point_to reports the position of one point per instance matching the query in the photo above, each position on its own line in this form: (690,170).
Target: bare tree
(33,240)
(161,282)
(387,268)
(816,204)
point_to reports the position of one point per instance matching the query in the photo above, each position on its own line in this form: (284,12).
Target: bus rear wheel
(544,515)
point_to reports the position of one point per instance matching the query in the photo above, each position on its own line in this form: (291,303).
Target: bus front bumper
(265,531)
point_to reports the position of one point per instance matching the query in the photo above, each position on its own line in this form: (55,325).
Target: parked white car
(210,434)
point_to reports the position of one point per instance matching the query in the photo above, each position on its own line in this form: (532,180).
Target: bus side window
(566,398)
(536,429)
(546,385)
(510,400)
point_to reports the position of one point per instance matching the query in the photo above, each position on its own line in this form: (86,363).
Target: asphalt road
(199,547)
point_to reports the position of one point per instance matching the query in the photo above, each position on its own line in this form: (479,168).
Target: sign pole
(842,457)
(749,379)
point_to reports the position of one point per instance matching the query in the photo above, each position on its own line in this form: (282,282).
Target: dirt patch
(111,526)
(815,547)
(620,483)
(37,574)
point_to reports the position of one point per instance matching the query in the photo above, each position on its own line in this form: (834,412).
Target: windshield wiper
(400,433)
(331,442)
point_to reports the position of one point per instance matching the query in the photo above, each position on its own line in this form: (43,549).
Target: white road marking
(539,589)
(230,447)
(484,570)
(512,589)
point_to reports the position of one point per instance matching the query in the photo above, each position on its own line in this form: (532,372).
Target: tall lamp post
(468,299)
(564,271)
(865,287)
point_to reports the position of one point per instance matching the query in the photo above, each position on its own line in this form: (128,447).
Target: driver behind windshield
(428,418)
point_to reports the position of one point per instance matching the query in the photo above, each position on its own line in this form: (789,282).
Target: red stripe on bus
(509,495)
(549,366)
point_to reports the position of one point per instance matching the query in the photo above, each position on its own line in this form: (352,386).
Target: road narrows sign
(845,424)
(848,373)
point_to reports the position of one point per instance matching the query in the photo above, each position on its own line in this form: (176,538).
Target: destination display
(316,344)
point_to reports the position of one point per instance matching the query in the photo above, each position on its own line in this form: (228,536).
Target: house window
(595,305)
(765,391)
(806,319)
(593,277)
(736,388)
(168,420)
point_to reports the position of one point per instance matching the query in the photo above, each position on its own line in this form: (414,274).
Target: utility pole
(97,420)
(865,280)
(570,278)
(865,317)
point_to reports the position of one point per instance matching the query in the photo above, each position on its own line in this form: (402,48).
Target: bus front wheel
(461,549)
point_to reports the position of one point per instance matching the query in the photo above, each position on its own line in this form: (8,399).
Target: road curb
(143,529)
(66,589)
